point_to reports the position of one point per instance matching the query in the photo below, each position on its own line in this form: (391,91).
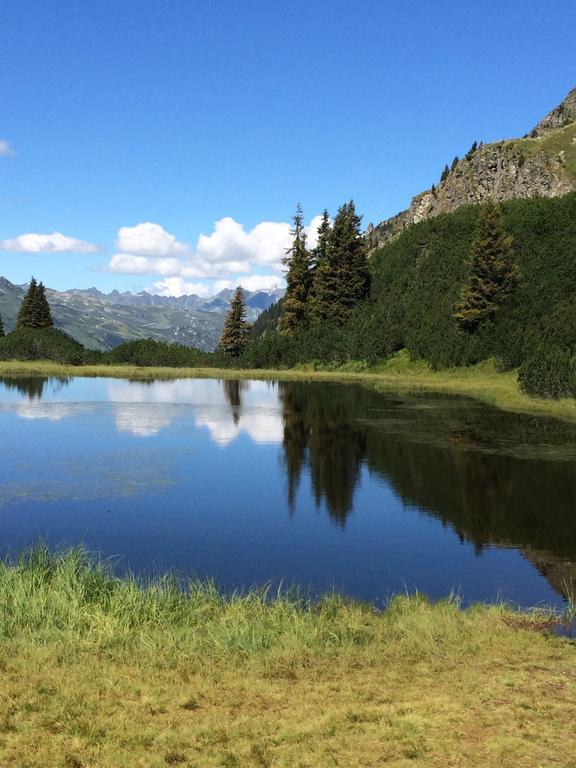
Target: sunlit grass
(103,671)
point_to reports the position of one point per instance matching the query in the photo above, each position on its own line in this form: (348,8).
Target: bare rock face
(561,116)
(542,164)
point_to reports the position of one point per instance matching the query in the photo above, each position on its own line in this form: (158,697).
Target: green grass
(563,140)
(102,671)
(482,382)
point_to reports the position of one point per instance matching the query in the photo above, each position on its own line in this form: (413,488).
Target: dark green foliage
(35,310)
(454,163)
(2,332)
(150,353)
(43,316)
(417,280)
(298,279)
(268,320)
(493,273)
(44,344)
(471,151)
(445,174)
(25,315)
(235,334)
(342,276)
(549,372)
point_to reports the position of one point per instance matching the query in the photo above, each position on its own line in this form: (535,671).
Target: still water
(320,485)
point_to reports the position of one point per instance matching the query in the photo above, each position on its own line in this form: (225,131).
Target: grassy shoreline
(482,382)
(102,671)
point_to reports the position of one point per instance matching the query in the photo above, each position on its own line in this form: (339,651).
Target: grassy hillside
(100,671)
(416,283)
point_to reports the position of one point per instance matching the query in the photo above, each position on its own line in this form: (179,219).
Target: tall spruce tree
(25,317)
(493,272)
(35,310)
(234,337)
(342,276)
(42,313)
(298,279)
(325,286)
(2,332)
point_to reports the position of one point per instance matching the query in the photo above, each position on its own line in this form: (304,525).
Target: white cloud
(148,239)
(251,283)
(228,252)
(5,148)
(177,286)
(54,243)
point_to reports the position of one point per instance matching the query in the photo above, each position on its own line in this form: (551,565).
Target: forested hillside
(416,285)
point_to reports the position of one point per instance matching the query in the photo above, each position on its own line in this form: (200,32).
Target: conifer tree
(342,277)
(325,287)
(493,272)
(2,332)
(235,334)
(25,317)
(35,310)
(42,314)
(298,279)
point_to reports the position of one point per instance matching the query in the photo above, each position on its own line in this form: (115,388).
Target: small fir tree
(493,272)
(27,308)
(234,337)
(298,279)
(2,332)
(445,174)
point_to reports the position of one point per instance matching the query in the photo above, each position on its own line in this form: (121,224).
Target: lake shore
(98,670)
(399,374)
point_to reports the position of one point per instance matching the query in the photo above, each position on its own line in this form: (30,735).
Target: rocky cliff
(542,163)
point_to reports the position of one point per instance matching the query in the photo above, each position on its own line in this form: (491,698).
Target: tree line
(324,284)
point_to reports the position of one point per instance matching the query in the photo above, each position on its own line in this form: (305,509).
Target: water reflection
(33,387)
(226,410)
(495,479)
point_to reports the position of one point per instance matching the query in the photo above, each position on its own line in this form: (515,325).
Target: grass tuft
(103,671)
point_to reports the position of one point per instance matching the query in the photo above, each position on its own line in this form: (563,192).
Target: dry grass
(98,672)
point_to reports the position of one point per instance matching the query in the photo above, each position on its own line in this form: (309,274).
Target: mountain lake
(309,484)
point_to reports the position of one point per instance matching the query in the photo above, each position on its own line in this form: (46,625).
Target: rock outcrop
(542,163)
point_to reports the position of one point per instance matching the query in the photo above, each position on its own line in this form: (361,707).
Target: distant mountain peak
(559,117)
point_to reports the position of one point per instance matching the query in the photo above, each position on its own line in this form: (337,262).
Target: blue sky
(167,142)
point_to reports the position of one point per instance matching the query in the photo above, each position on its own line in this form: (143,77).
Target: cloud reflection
(146,408)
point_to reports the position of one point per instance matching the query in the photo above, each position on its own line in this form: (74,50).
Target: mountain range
(104,320)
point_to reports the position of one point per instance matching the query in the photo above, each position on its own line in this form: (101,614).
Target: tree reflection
(495,478)
(233,390)
(320,433)
(33,387)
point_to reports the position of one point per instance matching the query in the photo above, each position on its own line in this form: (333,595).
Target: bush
(150,353)
(44,344)
(550,372)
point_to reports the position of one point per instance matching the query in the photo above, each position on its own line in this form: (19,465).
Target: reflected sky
(310,483)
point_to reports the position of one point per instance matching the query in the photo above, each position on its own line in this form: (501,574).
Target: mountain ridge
(103,320)
(540,164)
